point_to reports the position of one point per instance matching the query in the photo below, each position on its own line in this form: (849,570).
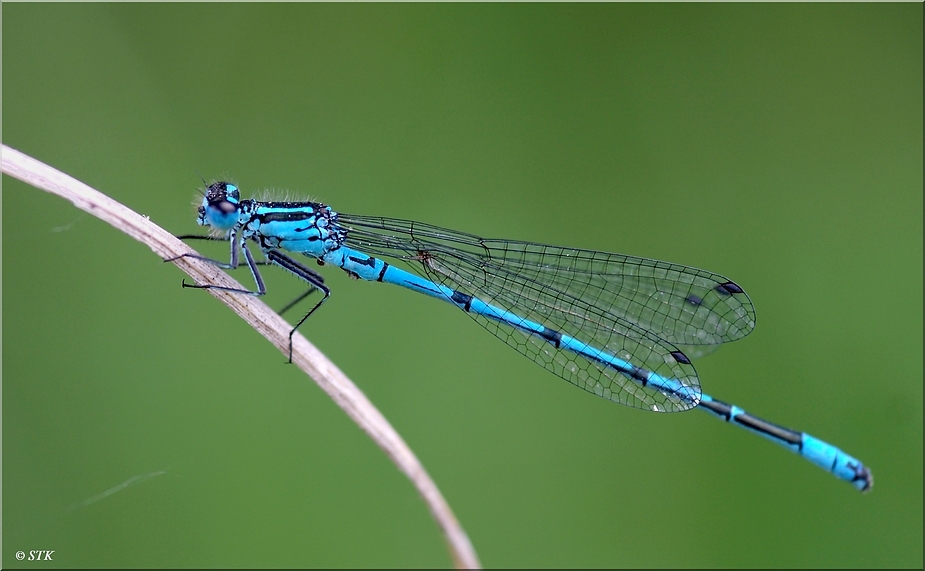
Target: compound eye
(226,207)
(231,190)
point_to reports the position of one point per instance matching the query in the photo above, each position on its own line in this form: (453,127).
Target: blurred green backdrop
(780,145)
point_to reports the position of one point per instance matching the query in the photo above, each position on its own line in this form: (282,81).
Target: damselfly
(617,326)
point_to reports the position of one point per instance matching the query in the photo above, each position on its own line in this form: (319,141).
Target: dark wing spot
(680,357)
(729,288)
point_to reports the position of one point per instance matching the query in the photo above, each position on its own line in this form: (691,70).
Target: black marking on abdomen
(724,410)
(862,472)
(422,288)
(385,266)
(718,407)
(728,288)
(462,299)
(551,335)
(639,374)
(771,429)
(680,357)
(370,261)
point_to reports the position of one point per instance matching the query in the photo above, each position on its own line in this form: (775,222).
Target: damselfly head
(220,206)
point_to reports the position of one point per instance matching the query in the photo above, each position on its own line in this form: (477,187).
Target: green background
(780,145)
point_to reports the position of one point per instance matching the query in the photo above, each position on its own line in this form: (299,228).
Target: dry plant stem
(263,319)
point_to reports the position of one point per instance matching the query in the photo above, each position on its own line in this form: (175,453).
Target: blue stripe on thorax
(303,227)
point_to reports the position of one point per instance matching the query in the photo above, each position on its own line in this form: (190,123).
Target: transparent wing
(680,304)
(632,308)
